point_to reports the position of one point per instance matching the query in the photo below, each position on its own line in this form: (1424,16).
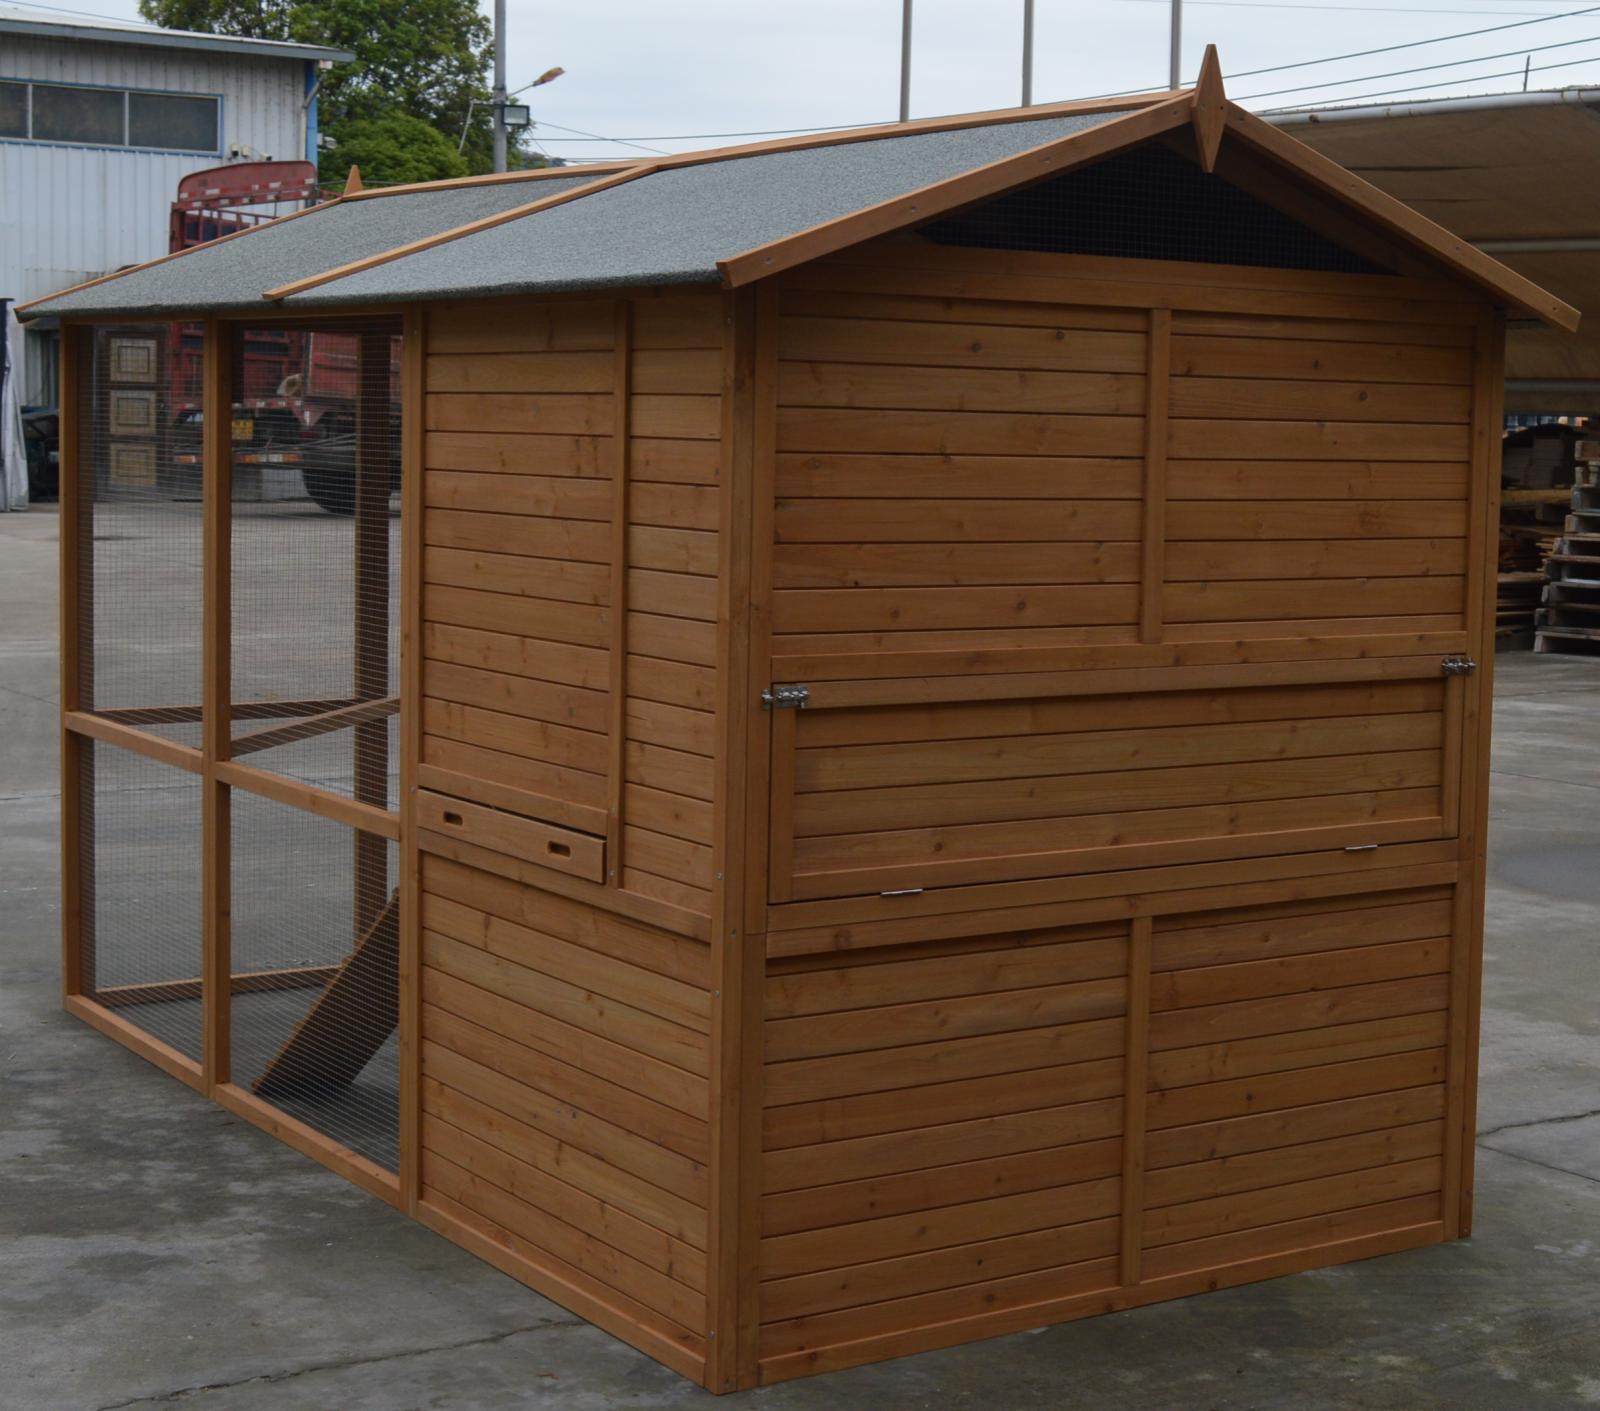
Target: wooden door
(912,794)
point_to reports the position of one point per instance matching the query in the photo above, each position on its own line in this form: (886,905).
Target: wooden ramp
(350,1020)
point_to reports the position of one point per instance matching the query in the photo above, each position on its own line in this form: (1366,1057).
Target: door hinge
(785,697)
(1458,666)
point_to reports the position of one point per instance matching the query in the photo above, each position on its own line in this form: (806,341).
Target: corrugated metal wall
(70,213)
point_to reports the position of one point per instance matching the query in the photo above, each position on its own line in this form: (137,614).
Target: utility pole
(1027,53)
(905,60)
(1175,62)
(500,84)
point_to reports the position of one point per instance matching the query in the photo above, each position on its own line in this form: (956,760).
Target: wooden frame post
(216,724)
(370,605)
(1136,1068)
(77,664)
(738,956)
(617,722)
(413,390)
(1153,551)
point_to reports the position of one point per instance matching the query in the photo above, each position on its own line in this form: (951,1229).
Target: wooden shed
(907,760)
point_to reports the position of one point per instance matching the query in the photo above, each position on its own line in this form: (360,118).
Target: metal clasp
(1458,666)
(785,697)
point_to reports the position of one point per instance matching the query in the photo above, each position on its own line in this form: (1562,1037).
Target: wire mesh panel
(140,567)
(316,555)
(141,901)
(315,927)
(1150,203)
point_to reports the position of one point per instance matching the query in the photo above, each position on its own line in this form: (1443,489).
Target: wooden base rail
(110,732)
(367,817)
(308,727)
(303,977)
(239,710)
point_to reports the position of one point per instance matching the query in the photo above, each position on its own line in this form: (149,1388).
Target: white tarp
(13,454)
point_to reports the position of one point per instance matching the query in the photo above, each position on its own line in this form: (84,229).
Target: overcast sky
(652,69)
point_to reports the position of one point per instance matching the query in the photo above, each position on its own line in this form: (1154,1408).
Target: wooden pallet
(1569,620)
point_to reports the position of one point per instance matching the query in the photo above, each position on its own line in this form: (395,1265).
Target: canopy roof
(109,31)
(728,216)
(1511,174)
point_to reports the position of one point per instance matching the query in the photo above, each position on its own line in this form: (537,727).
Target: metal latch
(785,697)
(1458,666)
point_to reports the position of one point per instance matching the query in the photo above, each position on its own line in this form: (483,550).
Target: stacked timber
(1569,621)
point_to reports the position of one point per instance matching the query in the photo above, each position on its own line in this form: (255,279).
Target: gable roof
(728,216)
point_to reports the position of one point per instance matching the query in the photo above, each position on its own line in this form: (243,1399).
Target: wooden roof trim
(1051,158)
(1450,250)
(443,237)
(495,178)
(175,255)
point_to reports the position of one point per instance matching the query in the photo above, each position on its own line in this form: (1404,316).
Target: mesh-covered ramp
(315,923)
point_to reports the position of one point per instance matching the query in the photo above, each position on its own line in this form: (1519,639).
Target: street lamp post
(499,98)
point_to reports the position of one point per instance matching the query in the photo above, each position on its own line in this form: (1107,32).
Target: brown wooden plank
(519,372)
(964,389)
(546,413)
(876,336)
(968,433)
(1314,356)
(884,565)
(517,453)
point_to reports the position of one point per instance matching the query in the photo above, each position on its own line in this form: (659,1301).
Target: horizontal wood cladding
(517,590)
(891,797)
(874,1220)
(972,455)
(1292,1103)
(669,637)
(962,484)
(571,466)
(565,1055)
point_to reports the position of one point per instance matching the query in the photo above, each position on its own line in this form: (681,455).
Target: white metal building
(98,122)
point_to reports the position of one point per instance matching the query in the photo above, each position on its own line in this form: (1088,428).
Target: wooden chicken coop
(885,744)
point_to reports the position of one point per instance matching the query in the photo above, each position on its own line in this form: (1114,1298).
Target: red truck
(294,420)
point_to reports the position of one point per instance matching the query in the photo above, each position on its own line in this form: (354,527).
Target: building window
(172,120)
(77,115)
(13,110)
(110,117)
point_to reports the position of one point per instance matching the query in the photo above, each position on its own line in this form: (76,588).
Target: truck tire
(334,489)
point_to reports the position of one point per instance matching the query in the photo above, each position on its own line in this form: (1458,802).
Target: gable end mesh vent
(1149,203)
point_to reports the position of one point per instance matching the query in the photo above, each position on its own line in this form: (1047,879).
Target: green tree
(425,59)
(389,148)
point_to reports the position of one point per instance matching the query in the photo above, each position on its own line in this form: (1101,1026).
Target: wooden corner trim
(1466,259)
(1048,159)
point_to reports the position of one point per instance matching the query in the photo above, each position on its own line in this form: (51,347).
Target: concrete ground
(156,1252)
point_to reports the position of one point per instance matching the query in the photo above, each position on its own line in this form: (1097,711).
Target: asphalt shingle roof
(668,227)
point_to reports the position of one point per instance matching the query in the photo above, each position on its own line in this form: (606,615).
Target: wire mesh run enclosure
(233,584)
(917,776)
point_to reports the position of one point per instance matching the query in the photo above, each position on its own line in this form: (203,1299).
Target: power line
(1387,9)
(1544,18)
(1421,68)
(595,137)
(1443,83)
(87,14)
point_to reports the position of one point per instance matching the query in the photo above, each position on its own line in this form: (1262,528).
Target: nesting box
(851,745)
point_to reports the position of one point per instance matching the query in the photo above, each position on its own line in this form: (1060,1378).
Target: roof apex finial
(1210,104)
